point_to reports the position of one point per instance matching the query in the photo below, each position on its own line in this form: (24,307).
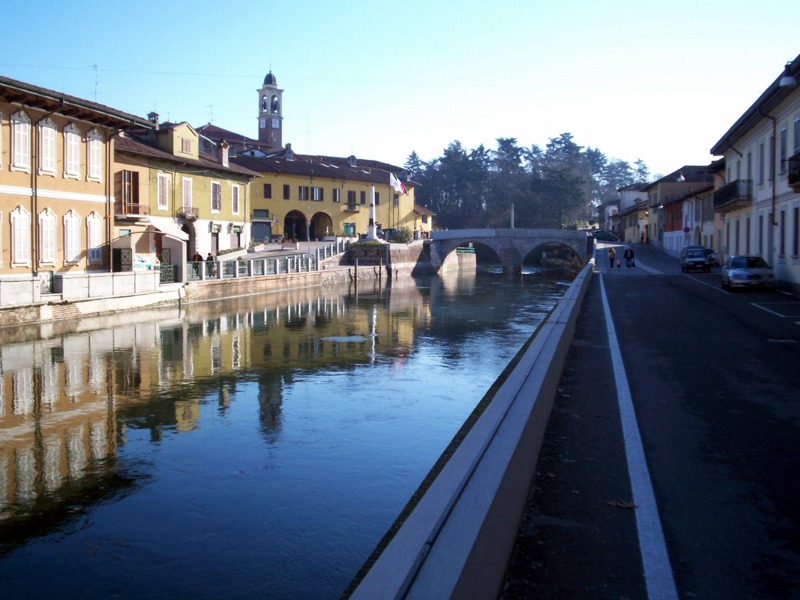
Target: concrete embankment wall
(456,541)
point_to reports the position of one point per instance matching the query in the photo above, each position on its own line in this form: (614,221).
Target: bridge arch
(511,245)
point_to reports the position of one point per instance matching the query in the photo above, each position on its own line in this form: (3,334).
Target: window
(771,172)
(796,135)
(47,237)
(316,194)
(163,191)
(363,197)
(95,155)
(267,190)
(286,192)
(130,192)
(20,142)
(72,238)
(235,199)
(336,195)
(187,192)
(72,152)
(302,192)
(47,147)
(20,238)
(796,237)
(216,196)
(377,198)
(94,237)
(749,165)
(396,201)
(351,199)
(186,146)
(782,235)
(784,148)
(761,164)
(747,236)
(760,235)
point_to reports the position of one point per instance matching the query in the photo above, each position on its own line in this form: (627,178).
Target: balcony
(736,194)
(794,172)
(131,211)
(354,208)
(188,213)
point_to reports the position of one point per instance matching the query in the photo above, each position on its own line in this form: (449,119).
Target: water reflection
(76,398)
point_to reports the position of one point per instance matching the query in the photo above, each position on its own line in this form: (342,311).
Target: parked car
(604,236)
(693,258)
(712,257)
(747,271)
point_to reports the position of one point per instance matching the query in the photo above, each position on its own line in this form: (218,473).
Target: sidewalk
(577,538)
(576,534)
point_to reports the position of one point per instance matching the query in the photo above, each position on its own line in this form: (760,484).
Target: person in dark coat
(628,254)
(612,255)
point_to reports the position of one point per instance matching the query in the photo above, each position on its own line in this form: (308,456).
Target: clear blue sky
(657,81)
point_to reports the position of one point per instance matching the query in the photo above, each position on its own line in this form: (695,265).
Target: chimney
(351,160)
(153,118)
(288,153)
(223,147)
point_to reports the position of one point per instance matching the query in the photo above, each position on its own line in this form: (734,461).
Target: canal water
(253,447)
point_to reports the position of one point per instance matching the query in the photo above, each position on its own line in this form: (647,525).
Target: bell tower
(270,113)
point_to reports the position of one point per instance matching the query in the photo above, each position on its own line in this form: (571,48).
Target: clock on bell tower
(270,113)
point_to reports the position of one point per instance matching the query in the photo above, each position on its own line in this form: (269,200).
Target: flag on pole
(397,185)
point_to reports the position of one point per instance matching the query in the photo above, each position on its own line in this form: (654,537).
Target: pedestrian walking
(612,255)
(629,258)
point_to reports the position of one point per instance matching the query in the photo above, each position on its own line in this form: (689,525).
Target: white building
(760,198)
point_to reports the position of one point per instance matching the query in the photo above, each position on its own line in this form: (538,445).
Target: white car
(747,272)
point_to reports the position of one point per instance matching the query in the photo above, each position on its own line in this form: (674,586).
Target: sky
(660,82)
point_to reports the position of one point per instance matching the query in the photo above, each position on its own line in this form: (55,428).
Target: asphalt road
(714,380)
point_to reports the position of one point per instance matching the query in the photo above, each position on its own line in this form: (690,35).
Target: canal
(254,447)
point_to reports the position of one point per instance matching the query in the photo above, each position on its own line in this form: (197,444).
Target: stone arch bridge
(510,245)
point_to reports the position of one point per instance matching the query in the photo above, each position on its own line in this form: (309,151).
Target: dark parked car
(693,258)
(712,257)
(604,236)
(747,271)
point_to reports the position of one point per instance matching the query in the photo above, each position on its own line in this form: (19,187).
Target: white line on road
(655,559)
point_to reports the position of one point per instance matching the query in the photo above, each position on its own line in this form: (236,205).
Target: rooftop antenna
(210,108)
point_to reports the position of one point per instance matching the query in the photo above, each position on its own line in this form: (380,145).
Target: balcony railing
(131,210)
(736,194)
(352,207)
(794,171)
(188,213)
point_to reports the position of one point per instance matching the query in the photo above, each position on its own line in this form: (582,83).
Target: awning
(172,230)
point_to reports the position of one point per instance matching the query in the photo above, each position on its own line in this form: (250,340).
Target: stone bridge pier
(510,245)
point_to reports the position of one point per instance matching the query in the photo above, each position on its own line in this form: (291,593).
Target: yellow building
(311,197)
(169,191)
(56,192)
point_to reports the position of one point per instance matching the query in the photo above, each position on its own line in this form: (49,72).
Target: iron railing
(794,170)
(739,193)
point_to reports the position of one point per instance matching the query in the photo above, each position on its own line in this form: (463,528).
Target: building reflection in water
(68,399)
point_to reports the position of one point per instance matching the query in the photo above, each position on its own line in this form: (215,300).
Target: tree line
(560,186)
